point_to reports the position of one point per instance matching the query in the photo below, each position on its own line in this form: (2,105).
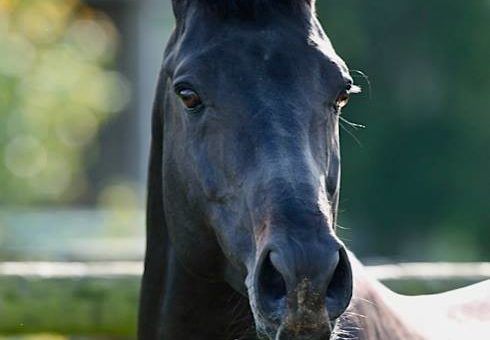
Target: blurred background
(76,86)
(416,183)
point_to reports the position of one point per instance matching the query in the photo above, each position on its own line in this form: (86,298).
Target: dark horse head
(246,144)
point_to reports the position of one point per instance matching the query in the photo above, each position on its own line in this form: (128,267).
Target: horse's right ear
(179,7)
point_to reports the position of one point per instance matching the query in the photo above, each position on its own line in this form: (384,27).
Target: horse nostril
(305,302)
(271,287)
(339,291)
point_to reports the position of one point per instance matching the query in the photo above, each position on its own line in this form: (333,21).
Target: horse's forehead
(253,44)
(263,48)
(257,41)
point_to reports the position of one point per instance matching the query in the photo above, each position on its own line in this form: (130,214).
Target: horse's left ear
(312,4)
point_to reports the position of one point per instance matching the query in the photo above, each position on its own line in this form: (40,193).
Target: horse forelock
(252,7)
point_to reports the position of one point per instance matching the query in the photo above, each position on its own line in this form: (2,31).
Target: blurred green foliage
(417,183)
(56,91)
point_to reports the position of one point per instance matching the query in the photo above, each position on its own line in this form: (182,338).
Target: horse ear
(179,7)
(312,5)
(153,281)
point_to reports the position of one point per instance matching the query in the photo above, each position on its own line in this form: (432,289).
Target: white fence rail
(100,298)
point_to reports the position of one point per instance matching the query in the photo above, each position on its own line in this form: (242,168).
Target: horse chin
(271,332)
(279,336)
(281,328)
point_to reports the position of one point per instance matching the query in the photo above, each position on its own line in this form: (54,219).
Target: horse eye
(190,98)
(342,99)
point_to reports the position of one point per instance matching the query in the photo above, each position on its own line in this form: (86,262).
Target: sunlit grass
(35,337)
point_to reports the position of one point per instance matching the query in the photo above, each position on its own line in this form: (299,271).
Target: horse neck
(375,311)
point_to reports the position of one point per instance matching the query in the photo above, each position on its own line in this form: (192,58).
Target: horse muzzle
(299,297)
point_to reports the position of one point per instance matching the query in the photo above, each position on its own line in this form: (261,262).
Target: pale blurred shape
(81,35)
(119,94)
(43,21)
(120,196)
(17,55)
(5,9)
(54,179)
(25,156)
(76,127)
(105,92)
(122,203)
(59,71)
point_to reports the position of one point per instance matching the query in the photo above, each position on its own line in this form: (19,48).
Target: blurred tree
(418,186)
(56,91)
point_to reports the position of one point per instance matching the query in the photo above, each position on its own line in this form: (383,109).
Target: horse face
(251,163)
